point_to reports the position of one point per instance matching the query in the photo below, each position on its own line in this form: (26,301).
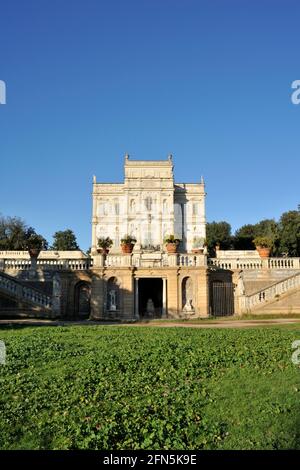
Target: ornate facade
(149,205)
(149,282)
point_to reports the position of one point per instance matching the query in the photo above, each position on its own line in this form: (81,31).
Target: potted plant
(35,243)
(263,246)
(104,244)
(171,243)
(127,243)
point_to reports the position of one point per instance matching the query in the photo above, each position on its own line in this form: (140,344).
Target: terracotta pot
(103,251)
(197,250)
(34,252)
(263,252)
(127,247)
(171,247)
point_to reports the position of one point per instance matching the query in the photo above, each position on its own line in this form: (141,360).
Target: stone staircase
(272,298)
(24,294)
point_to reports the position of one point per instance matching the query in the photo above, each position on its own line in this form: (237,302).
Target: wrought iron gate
(222,299)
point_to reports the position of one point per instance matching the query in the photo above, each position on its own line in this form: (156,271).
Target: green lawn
(110,387)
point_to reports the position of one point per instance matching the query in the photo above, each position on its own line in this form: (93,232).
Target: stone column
(97,296)
(99,260)
(33,267)
(172,294)
(164,299)
(56,296)
(136,299)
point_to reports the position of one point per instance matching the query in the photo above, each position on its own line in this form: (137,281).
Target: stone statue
(241,285)
(150,307)
(112,300)
(188,306)
(56,293)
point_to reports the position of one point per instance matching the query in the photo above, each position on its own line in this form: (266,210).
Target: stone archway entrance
(150,297)
(82,300)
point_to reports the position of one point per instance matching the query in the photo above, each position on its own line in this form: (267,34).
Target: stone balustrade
(36,297)
(8,284)
(255,263)
(46,264)
(250,302)
(153,260)
(150,260)
(22,292)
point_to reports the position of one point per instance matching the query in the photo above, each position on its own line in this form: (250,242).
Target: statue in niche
(188,306)
(112,300)
(241,285)
(150,309)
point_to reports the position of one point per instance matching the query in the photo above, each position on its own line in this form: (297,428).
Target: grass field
(110,387)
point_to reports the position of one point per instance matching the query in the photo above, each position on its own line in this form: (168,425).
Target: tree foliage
(243,238)
(218,233)
(14,234)
(64,240)
(289,233)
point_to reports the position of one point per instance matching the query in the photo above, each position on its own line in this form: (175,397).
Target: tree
(14,234)
(243,238)
(64,240)
(289,233)
(218,233)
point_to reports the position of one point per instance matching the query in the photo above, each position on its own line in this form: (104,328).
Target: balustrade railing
(138,260)
(255,263)
(57,265)
(249,302)
(24,292)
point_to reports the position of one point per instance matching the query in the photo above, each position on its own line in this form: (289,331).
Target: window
(195,208)
(148,203)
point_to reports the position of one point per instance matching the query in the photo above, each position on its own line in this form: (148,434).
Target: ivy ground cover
(114,387)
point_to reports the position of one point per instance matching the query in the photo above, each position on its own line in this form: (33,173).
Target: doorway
(150,297)
(82,300)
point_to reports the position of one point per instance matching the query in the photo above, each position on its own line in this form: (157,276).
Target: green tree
(14,234)
(289,233)
(218,233)
(64,240)
(243,238)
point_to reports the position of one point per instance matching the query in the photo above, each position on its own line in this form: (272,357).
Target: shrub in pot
(35,244)
(171,243)
(264,246)
(104,244)
(127,243)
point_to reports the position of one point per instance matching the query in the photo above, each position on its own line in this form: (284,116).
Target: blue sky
(208,81)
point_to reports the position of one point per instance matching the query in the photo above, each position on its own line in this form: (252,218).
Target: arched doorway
(82,300)
(112,305)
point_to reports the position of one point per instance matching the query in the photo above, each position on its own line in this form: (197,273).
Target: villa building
(150,282)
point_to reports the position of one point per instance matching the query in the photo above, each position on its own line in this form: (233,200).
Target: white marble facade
(149,205)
